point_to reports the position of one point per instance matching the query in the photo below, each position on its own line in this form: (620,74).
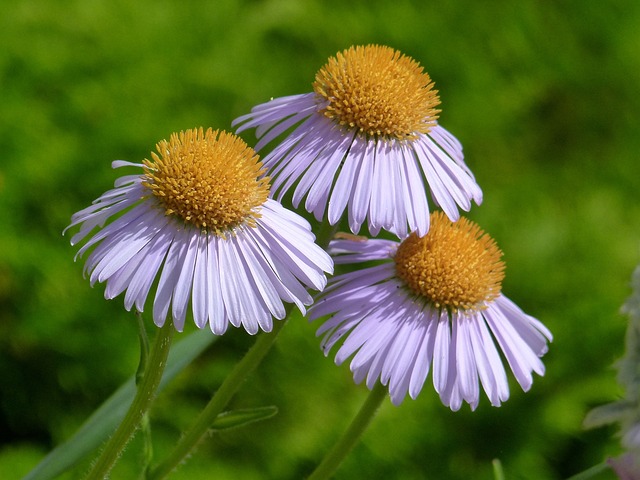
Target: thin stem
(351,436)
(218,402)
(230,385)
(145,424)
(147,449)
(498,472)
(142,401)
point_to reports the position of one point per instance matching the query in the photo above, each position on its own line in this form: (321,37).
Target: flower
(366,138)
(199,216)
(431,302)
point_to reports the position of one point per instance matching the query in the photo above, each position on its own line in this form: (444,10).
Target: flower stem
(145,394)
(230,385)
(145,424)
(351,436)
(218,402)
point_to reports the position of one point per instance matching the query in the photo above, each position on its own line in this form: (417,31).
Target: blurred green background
(544,97)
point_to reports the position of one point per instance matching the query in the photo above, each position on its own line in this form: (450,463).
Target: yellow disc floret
(378,91)
(455,266)
(212,180)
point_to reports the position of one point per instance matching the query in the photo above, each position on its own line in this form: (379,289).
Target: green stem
(351,436)
(230,385)
(218,402)
(498,472)
(145,424)
(142,401)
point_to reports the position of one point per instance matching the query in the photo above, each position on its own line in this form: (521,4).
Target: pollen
(378,91)
(211,180)
(456,265)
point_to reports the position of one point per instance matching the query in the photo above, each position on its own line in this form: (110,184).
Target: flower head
(432,303)
(367,139)
(199,217)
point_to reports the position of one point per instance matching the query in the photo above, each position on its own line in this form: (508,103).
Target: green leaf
(242,417)
(105,419)
(609,413)
(591,472)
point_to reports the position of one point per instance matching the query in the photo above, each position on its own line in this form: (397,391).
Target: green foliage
(543,96)
(104,421)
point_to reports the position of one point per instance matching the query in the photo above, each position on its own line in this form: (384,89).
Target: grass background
(544,97)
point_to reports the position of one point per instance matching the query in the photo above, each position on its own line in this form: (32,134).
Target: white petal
(424,356)
(169,276)
(467,377)
(490,368)
(218,319)
(345,180)
(263,277)
(322,180)
(201,278)
(254,307)
(441,367)
(231,286)
(415,189)
(154,254)
(360,198)
(182,290)
(439,190)
(519,356)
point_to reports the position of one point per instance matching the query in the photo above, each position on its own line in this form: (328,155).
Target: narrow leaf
(609,413)
(105,419)
(591,472)
(242,417)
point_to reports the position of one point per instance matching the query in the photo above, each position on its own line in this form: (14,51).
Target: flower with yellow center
(431,303)
(378,91)
(366,140)
(194,180)
(455,266)
(198,217)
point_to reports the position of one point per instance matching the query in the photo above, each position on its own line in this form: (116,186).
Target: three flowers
(203,222)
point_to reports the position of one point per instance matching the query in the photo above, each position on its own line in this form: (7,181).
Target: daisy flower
(198,216)
(367,140)
(431,303)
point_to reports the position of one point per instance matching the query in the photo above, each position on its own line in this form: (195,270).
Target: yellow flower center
(454,266)
(208,179)
(378,91)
